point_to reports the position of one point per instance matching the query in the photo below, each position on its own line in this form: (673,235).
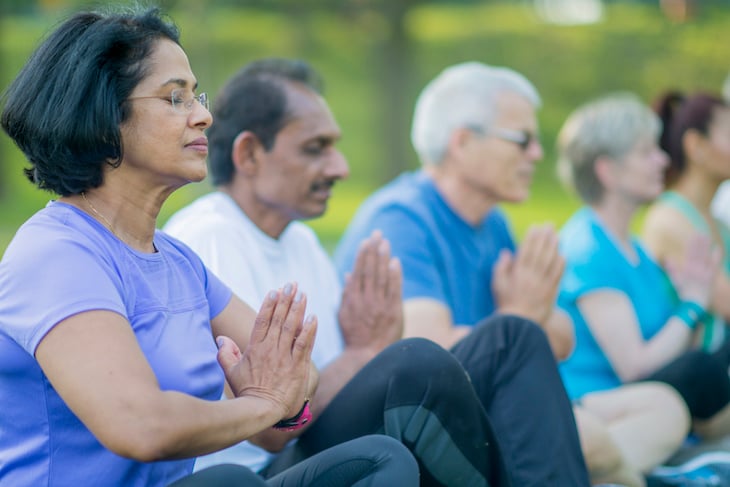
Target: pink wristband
(295,422)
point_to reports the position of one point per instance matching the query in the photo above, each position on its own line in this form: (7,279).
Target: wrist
(297,421)
(690,312)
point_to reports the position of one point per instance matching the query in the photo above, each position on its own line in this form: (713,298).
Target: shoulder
(581,238)
(211,220)
(60,232)
(665,229)
(211,211)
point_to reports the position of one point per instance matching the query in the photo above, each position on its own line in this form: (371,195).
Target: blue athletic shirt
(443,257)
(62,262)
(595,263)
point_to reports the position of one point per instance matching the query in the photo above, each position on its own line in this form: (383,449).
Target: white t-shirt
(251,263)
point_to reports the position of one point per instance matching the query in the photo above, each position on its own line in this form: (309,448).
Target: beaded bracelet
(295,422)
(690,313)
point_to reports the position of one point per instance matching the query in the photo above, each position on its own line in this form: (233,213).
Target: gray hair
(610,126)
(463,95)
(726,89)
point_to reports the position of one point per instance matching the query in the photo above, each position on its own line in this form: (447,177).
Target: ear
(458,141)
(693,144)
(605,169)
(245,153)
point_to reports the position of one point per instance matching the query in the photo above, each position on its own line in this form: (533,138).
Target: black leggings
(369,461)
(515,375)
(420,394)
(701,379)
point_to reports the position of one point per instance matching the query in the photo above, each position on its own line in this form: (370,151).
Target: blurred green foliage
(634,48)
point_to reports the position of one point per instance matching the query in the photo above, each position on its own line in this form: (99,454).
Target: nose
(200,116)
(535,151)
(337,167)
(663,158)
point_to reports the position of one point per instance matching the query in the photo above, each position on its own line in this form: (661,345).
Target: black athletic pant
(420,394)
(370,461)
(701,379)
(515,375)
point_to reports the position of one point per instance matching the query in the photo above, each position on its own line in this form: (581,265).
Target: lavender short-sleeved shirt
(60,263)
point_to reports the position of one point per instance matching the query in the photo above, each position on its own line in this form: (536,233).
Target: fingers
(304,342)
(540,250)
(287,315)
(501,276)
(371,273)
(381,279)
(263,318)
(228,353)
(395,281)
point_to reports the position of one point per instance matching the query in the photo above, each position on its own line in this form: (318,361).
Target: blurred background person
(476,131)
(721,200)
(630,324)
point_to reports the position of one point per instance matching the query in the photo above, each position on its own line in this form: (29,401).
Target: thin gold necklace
(96,212)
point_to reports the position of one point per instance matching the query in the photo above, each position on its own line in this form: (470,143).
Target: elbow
(270,443)
(143,444)
(631,372)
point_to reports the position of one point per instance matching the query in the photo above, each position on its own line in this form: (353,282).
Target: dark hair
(65,107)
(680,113)
(254,99)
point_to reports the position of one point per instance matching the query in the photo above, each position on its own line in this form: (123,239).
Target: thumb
(228,353)
(503,264)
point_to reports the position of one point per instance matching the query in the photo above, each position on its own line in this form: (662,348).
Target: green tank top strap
(680,203)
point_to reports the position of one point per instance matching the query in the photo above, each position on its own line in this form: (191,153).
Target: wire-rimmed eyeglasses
(181,100)
(523,138)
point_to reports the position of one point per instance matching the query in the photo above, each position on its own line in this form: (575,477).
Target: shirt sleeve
(413,243)
(45,280)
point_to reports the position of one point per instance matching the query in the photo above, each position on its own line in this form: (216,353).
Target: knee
(419,360)
(669,403)
(520,332)
(389,454)
(602,456)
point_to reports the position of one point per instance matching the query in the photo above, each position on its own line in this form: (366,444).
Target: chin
(516,197)
(313,212)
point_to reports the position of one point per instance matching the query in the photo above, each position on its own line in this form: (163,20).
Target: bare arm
(561,334)
(613,322)
(429,318)
(94,362)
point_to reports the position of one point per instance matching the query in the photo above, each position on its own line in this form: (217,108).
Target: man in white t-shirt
(273,161)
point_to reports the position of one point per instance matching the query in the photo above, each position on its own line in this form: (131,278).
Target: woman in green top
(696,136)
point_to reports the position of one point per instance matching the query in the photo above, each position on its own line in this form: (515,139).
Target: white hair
(463,95)
(726,89)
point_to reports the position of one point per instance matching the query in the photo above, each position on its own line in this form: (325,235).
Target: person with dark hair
(696,136)
(115,339)
(275,163)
